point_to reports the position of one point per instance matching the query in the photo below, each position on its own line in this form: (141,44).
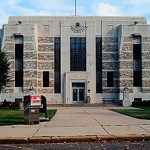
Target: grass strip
(142,113)
(16,116)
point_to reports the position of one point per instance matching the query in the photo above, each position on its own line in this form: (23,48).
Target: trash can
(32,104)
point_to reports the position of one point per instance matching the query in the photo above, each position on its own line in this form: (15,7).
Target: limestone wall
(110,62)
(45,63)
(38,52)
(126,60)
(146,64)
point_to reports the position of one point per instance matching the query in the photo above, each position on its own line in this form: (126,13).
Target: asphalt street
(139,145)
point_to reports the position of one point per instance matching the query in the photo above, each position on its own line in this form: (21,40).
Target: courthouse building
(72,59)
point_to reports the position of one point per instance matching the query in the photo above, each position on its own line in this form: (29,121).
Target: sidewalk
(79,124)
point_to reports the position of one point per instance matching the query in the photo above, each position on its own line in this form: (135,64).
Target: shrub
(8,104)
(136,103)
(146,103)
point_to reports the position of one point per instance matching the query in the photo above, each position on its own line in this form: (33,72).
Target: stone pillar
(91,58)
(65,55)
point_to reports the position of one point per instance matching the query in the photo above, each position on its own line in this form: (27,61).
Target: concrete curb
(36,140)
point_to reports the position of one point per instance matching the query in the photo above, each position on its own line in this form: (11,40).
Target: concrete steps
(83,105)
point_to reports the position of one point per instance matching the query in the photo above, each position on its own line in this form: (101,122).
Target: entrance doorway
(78,92)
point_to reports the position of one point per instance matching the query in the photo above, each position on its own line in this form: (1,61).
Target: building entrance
(78,92)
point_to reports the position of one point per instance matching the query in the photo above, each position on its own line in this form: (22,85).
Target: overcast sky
(66,7)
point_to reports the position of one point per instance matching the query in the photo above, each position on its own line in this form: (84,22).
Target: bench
(108,100)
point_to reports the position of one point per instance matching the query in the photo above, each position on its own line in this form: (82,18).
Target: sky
(66,8)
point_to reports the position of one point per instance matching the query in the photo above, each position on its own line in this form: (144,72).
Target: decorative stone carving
(77,28)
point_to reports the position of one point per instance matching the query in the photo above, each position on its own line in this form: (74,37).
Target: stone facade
(117,35)
(46,63)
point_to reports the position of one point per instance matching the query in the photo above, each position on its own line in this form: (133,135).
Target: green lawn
(16,116)
(142,113)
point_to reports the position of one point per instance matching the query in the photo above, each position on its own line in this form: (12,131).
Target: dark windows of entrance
(78,92)
(98,65)
(78,54)
(57,65)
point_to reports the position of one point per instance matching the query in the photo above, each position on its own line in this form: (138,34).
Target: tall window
(45,78)
(19,61)
(98,65)
(57,65)
(77,54)
(137,73)
(110,79)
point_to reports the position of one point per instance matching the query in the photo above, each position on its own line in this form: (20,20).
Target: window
(77,54)
(137,69)
(18,65)
(137,78)
(45,78)
(18,78)
(110,79)
(57,65)
(98,65)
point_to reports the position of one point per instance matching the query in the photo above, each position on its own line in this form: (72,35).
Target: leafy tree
(4,70)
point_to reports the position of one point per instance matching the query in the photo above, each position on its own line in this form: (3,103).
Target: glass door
(75,94)
(81,94)
(78,94)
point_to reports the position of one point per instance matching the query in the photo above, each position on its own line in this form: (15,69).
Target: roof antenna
(75,8)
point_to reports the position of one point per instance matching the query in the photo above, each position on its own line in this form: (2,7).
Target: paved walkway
(79,123)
